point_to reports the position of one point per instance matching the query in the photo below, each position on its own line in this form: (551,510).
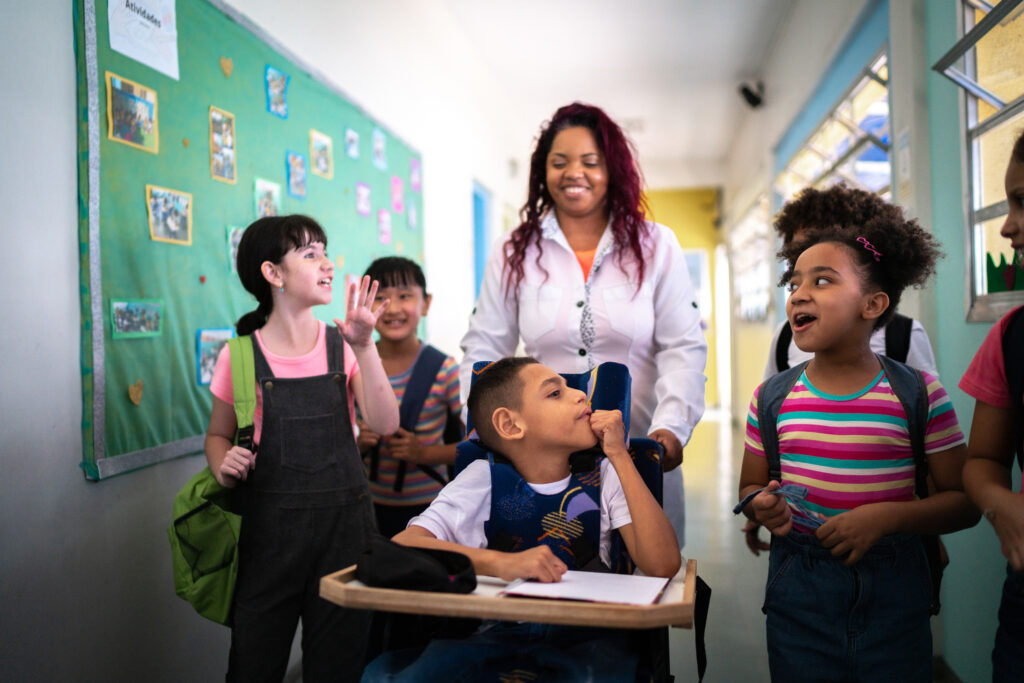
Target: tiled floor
(735,631)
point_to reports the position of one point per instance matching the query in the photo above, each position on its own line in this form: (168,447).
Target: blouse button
(583,352)
(579,304)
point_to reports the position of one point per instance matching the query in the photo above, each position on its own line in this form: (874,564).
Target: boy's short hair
(839,206)
(496,386)
(397,271)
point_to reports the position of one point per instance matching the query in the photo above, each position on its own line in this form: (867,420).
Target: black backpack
(897,341)
(1013,361)
(424,371)
(909,386)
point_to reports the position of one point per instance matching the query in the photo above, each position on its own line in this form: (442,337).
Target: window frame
(987,307)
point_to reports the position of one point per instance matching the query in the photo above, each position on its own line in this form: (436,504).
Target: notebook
(622,589)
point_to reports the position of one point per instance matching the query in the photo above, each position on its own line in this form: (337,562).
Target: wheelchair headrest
(607,388)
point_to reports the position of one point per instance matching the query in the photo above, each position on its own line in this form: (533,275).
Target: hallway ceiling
(668,70)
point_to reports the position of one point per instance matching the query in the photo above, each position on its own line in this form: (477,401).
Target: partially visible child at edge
(851,599)
(993,441)
(528,415)
(306,507)
(848,208)
(404,286)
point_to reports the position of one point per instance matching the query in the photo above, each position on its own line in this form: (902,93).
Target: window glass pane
(807,163)
(1000,265)
(749,255)
(993,151)
(870,109)
(832,140)
(999,60)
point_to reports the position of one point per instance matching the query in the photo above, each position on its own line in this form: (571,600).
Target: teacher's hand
(673,449)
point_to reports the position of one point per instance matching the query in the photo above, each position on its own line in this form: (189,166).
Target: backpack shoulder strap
(782,347)
(1013,362)
(243,385)
(897,337)
(909,386)
(424,372)
(769,401)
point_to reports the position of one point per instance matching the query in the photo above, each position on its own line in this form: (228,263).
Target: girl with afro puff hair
(849,588)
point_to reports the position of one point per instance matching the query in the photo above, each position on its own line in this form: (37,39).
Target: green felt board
(174,406)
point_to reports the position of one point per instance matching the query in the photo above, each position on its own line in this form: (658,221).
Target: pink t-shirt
(311,364)
(985,379)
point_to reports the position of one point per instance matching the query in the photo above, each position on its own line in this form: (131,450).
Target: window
(988,64)
(749,254)
(851,145)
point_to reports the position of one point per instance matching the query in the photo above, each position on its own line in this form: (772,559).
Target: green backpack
(205,531)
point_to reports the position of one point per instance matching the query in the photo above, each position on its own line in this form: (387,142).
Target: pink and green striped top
(855,449)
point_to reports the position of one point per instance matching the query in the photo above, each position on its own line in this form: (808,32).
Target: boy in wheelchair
(524,513)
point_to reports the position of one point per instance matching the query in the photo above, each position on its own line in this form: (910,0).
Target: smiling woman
(585,279)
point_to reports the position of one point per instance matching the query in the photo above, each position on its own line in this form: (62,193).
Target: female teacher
(586,279)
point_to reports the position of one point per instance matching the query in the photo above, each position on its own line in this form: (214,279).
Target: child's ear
(271,273)
(508,424)
(875,305)
(427,298)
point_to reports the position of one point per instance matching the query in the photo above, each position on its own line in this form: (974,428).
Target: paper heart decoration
(135,392)
(185,142)
(227,66)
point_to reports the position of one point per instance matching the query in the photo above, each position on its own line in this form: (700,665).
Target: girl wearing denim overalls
(849,591)
(306,508)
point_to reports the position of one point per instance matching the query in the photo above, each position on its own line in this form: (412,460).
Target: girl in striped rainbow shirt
(849,589)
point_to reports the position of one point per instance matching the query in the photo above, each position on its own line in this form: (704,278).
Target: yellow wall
(692,214)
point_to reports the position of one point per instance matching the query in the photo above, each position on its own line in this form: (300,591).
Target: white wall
(87,592)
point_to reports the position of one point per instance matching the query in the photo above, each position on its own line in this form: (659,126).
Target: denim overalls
(307,512)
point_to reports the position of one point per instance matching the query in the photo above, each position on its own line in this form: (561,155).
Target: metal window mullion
(979,91)
(987,213)
(998,118)
(976,33)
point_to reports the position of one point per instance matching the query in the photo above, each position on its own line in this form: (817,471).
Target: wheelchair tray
(675,608)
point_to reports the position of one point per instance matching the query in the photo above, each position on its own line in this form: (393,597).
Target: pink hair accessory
(870,247)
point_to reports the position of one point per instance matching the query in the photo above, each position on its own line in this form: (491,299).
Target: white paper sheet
(593,587)
(146,31)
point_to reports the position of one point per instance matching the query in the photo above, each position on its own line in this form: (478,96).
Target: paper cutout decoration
(266,197)
(208,346)
(222,146)
(295,166)
(184,143)
(131,318)
(397,195)
(146,31)
(277,91)
(321,154)
(351,143)
(415,175)
(135,392)
(132,114)
(363,206)
(413,217)
(380,156)
(234,234)
(227,65)
(170,215)
(384,226)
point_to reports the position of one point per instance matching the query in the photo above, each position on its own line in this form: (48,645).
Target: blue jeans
(502,650)
(1008,655)
(868,622)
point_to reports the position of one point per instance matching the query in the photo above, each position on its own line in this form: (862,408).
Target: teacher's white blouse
(571,325)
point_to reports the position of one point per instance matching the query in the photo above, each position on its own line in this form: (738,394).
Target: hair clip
(870,247)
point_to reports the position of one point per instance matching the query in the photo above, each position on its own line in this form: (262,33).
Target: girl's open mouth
(801,321)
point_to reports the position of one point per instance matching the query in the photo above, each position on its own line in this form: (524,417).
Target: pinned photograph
(363,199)
(130,318)
(413,217)
(170,215)
(222,146)
(321,154)
(132,114)
(295,165)
(415,175)
(266,197)
(380,156)
(351,143)
(234,237)
(397,195)
(277,91)
(384,226)
(208,346)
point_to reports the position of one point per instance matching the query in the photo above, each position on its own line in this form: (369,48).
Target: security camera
(753,94)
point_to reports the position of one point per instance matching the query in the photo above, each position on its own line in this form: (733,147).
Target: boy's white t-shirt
(458,513)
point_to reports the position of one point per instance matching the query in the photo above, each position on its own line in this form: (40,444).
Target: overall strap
(897,337)
(424,372)
(243,385)
(335,350)
(769,401)
(782,347)
(1013,363)
(909,386)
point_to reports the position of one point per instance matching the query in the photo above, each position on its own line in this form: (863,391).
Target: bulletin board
(171,169)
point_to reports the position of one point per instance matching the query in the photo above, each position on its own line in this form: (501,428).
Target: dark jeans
(1008,655)
(502,651)
(868,622)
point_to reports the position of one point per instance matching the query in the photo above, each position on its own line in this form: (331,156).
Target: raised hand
(360,316)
